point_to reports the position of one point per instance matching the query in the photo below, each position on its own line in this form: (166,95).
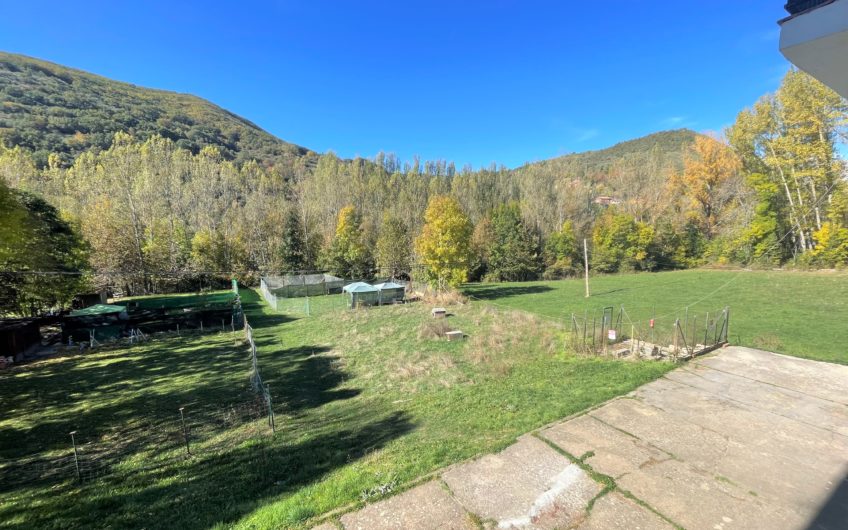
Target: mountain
(665,146)
(46,108)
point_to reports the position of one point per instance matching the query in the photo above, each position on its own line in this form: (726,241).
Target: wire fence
(262,389)
(144,444)
(310,294)
(610,330)
(149,442)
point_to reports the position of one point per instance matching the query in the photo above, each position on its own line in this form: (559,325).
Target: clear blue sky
(495,81)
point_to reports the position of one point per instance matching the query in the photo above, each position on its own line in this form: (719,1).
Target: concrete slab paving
(528,485)
(695,499)
(614,510)
(740,439)
(757,453)
(814,378)
(672,434)
(830,415)
(425,507)
(613,452)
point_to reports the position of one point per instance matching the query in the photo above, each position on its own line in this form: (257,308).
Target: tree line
(145,215)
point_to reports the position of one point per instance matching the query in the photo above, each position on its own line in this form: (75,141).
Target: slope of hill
(46,108)
(666,147)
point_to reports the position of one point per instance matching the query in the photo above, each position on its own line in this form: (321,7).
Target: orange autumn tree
(708,168)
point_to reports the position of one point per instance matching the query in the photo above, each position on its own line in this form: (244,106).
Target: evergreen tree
(292,244)
(513,253)
(34,238)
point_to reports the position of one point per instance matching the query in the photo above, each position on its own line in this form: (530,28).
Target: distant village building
(606,200)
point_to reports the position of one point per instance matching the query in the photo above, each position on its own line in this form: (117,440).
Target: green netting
(300,285)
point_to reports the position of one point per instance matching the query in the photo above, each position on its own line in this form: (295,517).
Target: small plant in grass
(443,297)
(433,329)
(768,341)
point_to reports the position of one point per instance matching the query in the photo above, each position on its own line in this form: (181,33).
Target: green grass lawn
(797,313)
(366,402)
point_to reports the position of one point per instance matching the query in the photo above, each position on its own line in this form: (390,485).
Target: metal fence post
(185,431)
(76,456)
(271,421)
(593,332)
(676,328)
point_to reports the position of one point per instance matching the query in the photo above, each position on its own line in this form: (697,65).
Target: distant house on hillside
(606,200)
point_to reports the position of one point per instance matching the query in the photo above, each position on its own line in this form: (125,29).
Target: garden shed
(390,292)
(362,294)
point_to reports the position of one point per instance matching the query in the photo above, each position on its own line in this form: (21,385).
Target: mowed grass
(804,314)
(366,401)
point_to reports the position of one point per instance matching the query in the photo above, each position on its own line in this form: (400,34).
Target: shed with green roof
(390,292)
(362,294)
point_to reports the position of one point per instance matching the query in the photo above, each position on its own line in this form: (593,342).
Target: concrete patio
(739,439)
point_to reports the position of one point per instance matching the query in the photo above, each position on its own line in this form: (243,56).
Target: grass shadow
(212,489)
(495,292)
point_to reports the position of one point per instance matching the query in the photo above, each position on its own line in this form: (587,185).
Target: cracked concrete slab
(696,499)
(528,485)
(674,435)
(756,453)
(741,439)
(614,453)
(614,510)
(425,507)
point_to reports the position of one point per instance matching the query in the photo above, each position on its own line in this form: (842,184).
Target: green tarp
(98,309)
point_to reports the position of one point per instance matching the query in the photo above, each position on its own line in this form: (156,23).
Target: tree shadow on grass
(138,388)
(218,488)
(495,292)
(305,378)
(258,314)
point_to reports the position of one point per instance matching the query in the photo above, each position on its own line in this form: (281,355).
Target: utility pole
(586,264)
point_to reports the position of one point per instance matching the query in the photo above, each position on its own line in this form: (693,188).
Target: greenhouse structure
(390,292)
(362,294)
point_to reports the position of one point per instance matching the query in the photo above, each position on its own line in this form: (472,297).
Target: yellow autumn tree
(708,166)
(444,245)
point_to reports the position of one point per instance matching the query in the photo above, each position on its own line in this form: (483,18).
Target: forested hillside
(153,211)
(48,108)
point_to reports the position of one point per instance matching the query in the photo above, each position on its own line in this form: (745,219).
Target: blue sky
(473,82)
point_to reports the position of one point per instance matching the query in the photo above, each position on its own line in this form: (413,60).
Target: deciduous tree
(444,245)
